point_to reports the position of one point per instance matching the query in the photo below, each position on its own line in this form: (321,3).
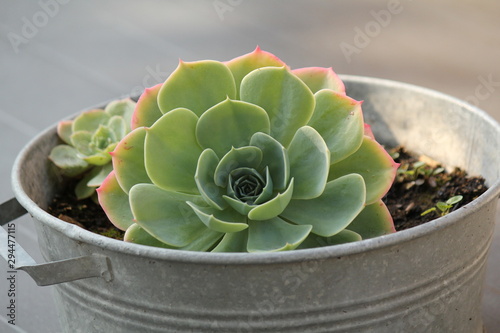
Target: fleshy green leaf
(275,235)
(82,141)
(230,124)
(97,180)
(318,78)
(136,234)
(274,157)
(287,100)
(373,163)
(204,178)
(442,206)
(64,130)
(67,159)
(196,86)
(241,207)
(118,126)
(249,157)
(374,220)
(227,220)
(128,160)
(171,151)
(99,158)
(82,190)
(204,242)
(87,145)
(368,131)
(267,191)
(344,236)
(233,242)
(166,215)
(115,202)
(244,64)
(273,207)
(90,120)
(339,120)
(124,109)
(102,138)
(332,211)
(147,111)
(454,200)
(309,163)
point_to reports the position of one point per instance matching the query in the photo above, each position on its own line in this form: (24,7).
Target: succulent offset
(248,156)
(89,140)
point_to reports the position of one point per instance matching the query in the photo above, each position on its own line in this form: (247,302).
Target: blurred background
(58,57)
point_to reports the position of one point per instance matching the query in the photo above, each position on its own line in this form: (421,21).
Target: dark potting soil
(420,185)
(84,213)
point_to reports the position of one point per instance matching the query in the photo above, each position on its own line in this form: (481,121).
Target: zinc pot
(425,279)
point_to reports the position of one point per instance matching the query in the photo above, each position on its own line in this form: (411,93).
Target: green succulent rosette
(89,140)
(248,156)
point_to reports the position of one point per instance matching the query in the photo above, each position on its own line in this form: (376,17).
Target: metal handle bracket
(67,270)
(95,265)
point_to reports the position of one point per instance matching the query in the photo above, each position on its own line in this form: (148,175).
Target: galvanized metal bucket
(425,279)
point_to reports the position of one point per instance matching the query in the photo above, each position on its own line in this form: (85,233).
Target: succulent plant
(248,156)
(89,140)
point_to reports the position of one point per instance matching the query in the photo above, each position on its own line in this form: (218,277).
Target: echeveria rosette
(248,156)
(89,140)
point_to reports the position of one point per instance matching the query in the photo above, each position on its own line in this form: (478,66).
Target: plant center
(246,184)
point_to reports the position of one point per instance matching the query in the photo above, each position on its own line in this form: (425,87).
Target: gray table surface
(59,56)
